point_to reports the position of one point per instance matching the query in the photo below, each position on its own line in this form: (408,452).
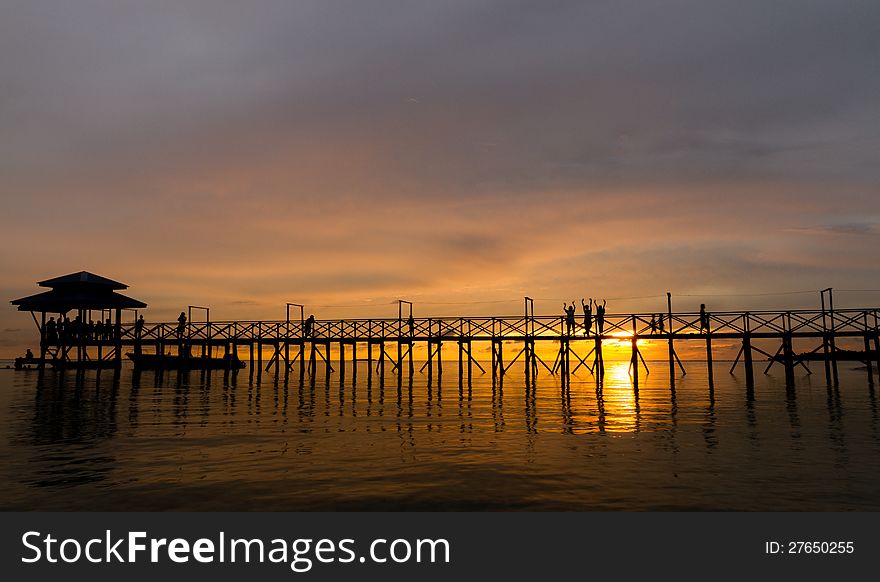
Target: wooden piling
(634,362)
(460,360)
(382,361)
(671,344)
(868,363)
(327,367)
(747,361)
(439,360)
(43,342)
(341,360)
(470,363)
(788,359)
(876,351)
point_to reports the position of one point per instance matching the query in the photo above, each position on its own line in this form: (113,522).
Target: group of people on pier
(68,332)
(589,309)
(656,325)
(73,331)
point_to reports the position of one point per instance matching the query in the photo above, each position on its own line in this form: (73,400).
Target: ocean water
(220,441)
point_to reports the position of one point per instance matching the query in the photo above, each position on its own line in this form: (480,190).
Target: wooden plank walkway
(310,342)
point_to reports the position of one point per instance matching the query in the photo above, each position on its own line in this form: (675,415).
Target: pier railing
(796,323)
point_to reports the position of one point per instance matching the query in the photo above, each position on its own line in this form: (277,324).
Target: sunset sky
(451,152)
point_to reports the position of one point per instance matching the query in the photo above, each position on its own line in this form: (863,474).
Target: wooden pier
(387,345)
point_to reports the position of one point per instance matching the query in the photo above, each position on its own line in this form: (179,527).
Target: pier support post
(747,362)
(43,344)
(876,351)
(117,337)
(868,363)
(439,360)
(634,362)
(788,356)
(259,347)
(341,360)
(460,361)
(327,366)
(709,366)
(671,344)
(382,361)
(470,362)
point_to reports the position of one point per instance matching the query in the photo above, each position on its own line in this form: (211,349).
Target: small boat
(57,364)
(25,363)
(168,362)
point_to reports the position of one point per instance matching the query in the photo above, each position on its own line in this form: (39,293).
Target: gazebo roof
(81,290)
(81,279)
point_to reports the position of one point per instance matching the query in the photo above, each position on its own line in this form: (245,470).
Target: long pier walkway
(297,346)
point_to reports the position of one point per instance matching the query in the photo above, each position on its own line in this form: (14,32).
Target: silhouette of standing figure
(600,316)
(660,323)
(309,327)
(653,324)
(588,315)
(139,327)
(181,324)
(569,317)
(51,332)
(704,319)
(411,323)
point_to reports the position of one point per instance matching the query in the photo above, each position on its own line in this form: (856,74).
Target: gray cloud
(356,149)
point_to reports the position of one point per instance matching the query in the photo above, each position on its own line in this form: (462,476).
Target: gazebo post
(117,336)
(42,364)
(80,335)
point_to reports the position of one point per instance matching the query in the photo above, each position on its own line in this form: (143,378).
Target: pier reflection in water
(215,440)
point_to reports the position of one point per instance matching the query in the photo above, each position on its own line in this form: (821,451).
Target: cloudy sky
(244,154)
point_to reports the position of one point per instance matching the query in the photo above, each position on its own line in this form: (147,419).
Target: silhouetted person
(588,315)
(139,327)
(51,332)
(108,329)
(569,318)
(29,355)
(309,326)
(181,324)
(62,329)
(77,328)
(412,325)
(653,324)
(660,323)
(100,333)
(704,319)
(600,316)
(90,330)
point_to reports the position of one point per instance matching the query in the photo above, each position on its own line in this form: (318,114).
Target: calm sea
(196,441)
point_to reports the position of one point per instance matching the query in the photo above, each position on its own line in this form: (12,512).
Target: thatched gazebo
(81,293)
